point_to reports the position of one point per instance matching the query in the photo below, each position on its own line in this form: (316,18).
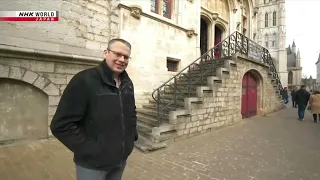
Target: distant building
(318,69)
(294,66)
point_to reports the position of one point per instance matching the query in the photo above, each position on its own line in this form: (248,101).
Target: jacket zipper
(122,120)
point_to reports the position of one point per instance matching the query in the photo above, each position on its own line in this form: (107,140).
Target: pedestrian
(315,105)
(302,98)
(293,97)
(96,116)
(285,95)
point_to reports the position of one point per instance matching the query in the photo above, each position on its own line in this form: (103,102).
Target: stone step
(153,113)
(165,102)
(147,120)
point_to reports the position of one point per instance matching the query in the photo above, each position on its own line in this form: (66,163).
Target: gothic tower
(272,33)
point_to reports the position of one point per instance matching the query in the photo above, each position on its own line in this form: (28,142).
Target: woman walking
(315,105)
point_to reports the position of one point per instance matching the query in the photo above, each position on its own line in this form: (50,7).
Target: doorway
(217,40)
(203,36)
(249,96)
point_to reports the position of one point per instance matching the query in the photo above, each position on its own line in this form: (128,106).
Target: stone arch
(205,32)
(30,77)
(290,78)
(37,81)
(259,80)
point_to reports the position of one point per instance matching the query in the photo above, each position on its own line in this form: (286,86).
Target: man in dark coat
(96,116)
(302,98)
(293,97)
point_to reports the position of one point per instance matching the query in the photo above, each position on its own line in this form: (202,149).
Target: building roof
(318,59)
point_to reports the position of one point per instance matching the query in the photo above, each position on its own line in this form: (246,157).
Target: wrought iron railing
(185,82)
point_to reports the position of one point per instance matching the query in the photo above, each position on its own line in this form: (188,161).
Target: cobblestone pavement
(272,148)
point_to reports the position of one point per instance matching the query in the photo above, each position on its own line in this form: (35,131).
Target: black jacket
(284,94)
(302,97)
(95,119)
(293,95)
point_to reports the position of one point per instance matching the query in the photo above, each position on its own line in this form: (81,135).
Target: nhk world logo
(29,16)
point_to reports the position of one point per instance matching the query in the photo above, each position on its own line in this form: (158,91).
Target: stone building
(294,66)
(318,70)
(272,33)
(37,60)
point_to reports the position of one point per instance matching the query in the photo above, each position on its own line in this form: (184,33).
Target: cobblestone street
(272,148)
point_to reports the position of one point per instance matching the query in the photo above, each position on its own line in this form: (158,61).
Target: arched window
(274,18)
(290,77)
(266,20)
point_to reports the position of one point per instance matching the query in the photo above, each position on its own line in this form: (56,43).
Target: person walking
(293,97)
(315,105)
(96,116)
(302,98)
(285,95)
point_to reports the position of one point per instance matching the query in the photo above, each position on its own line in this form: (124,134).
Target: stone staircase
(172,102)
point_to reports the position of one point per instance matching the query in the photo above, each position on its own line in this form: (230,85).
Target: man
(96,116)
(285,95)
(293,97)
(302,98)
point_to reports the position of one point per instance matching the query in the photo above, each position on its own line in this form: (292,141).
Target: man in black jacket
(96,116)
(302,98)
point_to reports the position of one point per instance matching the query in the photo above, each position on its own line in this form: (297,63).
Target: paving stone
(275,147)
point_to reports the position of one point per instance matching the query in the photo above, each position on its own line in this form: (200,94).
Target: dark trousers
(90,174)
(315,117)
(301,110)
(294,103)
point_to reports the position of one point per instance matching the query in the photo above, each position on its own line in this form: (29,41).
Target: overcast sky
(303,25)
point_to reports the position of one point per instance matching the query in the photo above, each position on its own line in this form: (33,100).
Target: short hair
(303,86)
(119,40)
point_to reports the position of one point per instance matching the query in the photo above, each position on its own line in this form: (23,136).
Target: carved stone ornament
(234,10)
(136,12)
(215,16)
(238,25)
(190,33)
(254,35)
(255,10)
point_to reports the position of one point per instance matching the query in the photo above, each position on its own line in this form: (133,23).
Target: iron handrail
(234,43)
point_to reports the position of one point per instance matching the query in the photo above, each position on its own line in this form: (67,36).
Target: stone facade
(49,77)
(223,107)
(154,39)
(294,66)
(271,33)
(46,55)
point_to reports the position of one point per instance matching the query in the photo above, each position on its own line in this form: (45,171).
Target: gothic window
(266,20)
(162,7)
(274,18)
(290,77)
(155,6)
(166,8)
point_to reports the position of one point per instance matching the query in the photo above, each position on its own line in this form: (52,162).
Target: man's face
(117,57)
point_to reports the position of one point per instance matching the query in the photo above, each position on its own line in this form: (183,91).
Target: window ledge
(137,12)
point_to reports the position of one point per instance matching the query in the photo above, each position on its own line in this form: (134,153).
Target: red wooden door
(249,96)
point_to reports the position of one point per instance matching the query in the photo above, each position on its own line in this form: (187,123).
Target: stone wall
(49,77)
(154,39)
(46,55)
(84,26)
(223,107)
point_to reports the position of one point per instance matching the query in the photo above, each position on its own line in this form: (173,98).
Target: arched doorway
(217,39)
(290,78)
(249,95)
(204,34)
